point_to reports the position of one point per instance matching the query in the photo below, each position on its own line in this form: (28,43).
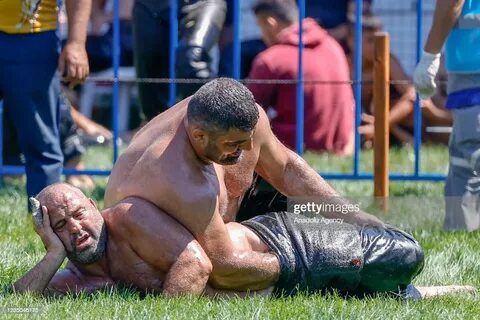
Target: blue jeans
(29,88)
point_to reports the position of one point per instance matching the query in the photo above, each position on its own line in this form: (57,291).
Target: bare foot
(436,291)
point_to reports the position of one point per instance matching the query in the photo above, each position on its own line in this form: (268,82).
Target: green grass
(451,258)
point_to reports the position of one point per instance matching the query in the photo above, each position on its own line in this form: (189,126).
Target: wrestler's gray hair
(223,104)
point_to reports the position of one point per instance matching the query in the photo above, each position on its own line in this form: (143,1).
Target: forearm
(445,17)
(401,110)
(246,270)
(300,181)
(78,12)
(38,278)
(435,116)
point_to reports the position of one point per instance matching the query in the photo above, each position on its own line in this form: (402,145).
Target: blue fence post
(116,64)
(417,130)
(300,112)
(172,86)
(357,82)
(237,58)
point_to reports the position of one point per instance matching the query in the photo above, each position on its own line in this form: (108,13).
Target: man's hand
(36,280)
(367,129)
(425,73)
(42,227)
(73,63)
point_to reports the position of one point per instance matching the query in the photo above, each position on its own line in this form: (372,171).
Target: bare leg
(436,291)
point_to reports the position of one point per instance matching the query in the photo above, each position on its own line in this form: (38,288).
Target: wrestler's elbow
(198,275)
(203,270)
(189,275)
(199,270)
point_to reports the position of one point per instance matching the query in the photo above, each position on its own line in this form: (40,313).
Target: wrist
(75,42)
(56,256)
(430,56)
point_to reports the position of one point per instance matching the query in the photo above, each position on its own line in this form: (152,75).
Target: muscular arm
(72,281)
(43,279)
(232,266)
(444,18)
(292,176)
(164,243)
(37,279)
(189,274)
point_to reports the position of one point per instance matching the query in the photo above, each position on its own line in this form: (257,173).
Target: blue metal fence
(357,76)
(355,175)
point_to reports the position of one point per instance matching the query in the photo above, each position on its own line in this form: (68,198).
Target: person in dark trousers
(200,23)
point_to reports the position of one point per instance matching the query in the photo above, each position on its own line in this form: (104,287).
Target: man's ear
(272,22)
(93,202)
(199,136)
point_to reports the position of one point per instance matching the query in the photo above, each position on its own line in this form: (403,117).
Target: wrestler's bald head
(58,194)
(76,220)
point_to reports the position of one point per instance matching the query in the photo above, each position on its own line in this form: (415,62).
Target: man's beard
(92,254)
(212,154)
(229,160)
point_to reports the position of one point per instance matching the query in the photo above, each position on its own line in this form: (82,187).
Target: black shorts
(317,255)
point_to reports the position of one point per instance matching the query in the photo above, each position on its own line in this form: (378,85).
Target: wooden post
(381,100)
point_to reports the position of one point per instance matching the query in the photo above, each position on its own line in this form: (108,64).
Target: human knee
(390,251)
(412,256)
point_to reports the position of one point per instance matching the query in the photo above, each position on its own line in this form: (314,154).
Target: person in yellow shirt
(31,66)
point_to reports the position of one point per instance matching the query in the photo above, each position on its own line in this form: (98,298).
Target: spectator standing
(29,82)
(456,24)
(200,23)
